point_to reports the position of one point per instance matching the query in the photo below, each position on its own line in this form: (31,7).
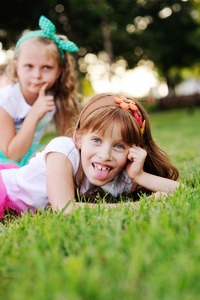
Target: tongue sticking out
(101,174)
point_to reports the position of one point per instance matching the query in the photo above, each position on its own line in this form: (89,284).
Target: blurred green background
(139,47)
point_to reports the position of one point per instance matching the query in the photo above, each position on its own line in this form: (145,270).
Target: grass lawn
(150,252)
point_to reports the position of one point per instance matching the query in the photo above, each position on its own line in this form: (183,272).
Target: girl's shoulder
(66,146)
(10,92)
(10,88)
(61,143)
(12,101)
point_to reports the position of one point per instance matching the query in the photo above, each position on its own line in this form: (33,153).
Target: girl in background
(112,150)
(43,86)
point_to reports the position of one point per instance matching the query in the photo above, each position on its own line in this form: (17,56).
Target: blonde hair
(104,118)
(65,88)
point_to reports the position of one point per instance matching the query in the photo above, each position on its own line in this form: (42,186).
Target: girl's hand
(43,104)
(148,181)
(135,165)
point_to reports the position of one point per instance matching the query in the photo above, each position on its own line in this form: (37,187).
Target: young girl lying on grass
(112,149)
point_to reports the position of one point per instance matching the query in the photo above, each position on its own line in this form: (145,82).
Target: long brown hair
(104,118)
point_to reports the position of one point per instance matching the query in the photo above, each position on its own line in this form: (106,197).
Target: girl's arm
(59,181)
(149,181)
(15,145)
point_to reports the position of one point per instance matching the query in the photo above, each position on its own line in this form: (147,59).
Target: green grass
(150,252)
(178,133)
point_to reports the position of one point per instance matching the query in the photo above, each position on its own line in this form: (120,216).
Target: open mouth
(101,172)
(103,168)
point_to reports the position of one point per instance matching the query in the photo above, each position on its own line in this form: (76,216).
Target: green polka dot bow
(48,30)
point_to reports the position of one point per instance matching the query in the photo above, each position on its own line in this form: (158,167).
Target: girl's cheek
(124,160)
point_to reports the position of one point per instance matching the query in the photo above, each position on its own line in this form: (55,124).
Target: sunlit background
(139,82)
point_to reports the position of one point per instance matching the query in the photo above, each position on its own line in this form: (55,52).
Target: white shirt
(13,102)
(28,183)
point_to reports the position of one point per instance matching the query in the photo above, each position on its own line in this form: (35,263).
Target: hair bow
(48,30)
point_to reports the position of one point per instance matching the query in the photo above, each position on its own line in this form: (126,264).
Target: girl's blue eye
(96,140)
(119,146)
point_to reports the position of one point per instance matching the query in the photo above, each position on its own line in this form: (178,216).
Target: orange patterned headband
(121,101)
(130,104)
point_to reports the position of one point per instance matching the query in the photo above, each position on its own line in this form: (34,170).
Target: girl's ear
(77,139)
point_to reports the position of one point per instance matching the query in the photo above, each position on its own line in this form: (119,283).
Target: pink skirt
(8,201)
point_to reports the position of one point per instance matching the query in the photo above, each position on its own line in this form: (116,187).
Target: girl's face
(35,67)
(102,156)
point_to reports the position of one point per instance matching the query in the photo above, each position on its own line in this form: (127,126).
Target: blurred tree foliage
(164,31)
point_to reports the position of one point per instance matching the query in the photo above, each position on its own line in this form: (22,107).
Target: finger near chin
(43,88)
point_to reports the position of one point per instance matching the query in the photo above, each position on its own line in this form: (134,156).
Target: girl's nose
(105,153)
(37,73)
